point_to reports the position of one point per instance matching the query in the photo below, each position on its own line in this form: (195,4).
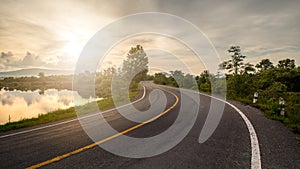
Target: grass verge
(272,110)
(291,120)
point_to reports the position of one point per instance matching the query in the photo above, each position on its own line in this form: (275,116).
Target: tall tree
(136,64)
(135,67)
(235,64)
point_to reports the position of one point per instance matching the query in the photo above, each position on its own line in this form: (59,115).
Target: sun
(75,42)
(72,49)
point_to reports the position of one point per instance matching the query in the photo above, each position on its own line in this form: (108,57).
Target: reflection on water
(18,105)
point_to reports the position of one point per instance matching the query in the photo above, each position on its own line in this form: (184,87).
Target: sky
(52,34)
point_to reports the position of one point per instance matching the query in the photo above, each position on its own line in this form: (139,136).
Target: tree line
(271,82)
(39,82)
(135,61)
(240,82)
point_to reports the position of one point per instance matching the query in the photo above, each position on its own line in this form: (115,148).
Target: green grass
(292,120)
(103,104)
(298,139)
(271,110)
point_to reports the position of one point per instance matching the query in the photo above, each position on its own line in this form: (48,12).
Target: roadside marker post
(255,97)
(282,106)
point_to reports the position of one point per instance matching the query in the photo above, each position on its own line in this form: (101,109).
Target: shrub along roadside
(271,82)
(271,109)
(242,87)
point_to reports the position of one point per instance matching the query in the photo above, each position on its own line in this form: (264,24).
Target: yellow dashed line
(58,158)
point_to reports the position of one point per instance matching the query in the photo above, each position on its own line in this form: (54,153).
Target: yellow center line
(58,158)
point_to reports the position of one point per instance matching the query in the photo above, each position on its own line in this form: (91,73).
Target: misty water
(18,105)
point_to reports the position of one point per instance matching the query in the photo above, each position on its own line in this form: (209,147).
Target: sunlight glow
(73,49)
(75,42)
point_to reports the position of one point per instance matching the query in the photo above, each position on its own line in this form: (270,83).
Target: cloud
(10,61)
(6,55)
(261,28)
(6,59)
(31,60)
(273,25)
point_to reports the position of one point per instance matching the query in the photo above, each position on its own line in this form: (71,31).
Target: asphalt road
(228,147)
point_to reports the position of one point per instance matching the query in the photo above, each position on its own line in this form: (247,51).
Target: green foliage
(271,82)
(134,68)
(286,64)
(236,65)
(203,81)
(264,65)
(276,90)
(35,83)
(176,79)
(160,78)
(103,82)
(136,64)
(136,61)
(248,68)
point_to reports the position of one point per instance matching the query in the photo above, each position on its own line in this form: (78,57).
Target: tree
(234,65)
(264,65)
(189,82)
(41,75)
(136,64)
(135,67)
(177,78)
(103,82)
(204,76)
(203,81)
(160,78)
(286,64)
(248,68)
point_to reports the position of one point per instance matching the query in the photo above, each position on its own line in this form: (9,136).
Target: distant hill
(35,72)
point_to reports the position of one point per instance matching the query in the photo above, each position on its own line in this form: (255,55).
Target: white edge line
(255,151)
(68,121)
(255,156)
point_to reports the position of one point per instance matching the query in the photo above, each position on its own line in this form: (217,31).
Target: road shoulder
(278,144)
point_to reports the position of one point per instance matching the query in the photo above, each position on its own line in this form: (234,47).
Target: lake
(18,105)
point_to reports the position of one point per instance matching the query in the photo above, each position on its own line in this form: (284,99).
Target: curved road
(65,144)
